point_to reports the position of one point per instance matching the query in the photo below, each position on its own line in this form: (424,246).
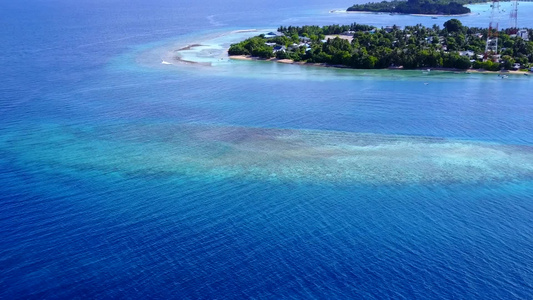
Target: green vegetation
(253,46)
(454,46)
(428,7)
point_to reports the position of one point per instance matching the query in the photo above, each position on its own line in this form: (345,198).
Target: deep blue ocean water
(121,177)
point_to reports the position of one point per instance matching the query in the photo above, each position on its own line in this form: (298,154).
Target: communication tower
(513,17)
(491,48)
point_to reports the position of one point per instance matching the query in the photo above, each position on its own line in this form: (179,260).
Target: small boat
(434,17)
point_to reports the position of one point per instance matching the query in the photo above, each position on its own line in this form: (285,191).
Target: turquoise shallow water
(125,177)
(270,154)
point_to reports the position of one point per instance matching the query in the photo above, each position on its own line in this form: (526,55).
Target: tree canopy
(362,46)
(431,7)
(453,25)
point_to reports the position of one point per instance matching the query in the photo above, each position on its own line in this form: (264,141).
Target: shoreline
(178,58)
(334,11)
(180,53)
(324,65)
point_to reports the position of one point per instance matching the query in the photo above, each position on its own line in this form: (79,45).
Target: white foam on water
(207,50)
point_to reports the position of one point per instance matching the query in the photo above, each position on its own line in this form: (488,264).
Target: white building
(466,53)
(523,34)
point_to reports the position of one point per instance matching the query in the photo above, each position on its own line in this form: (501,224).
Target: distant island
(366,47)
(426,7)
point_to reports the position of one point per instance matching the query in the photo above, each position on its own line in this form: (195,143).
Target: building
(466,53)
(279,48)
(523,34)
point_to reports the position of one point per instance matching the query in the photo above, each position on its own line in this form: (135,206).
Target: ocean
(127,174)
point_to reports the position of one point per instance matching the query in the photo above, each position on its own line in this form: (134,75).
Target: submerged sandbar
(276,154)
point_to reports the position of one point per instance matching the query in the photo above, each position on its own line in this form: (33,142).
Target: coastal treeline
(429,7)
(324,30)
(452,46)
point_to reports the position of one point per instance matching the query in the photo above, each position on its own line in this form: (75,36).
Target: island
(426,7)
(367,47)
